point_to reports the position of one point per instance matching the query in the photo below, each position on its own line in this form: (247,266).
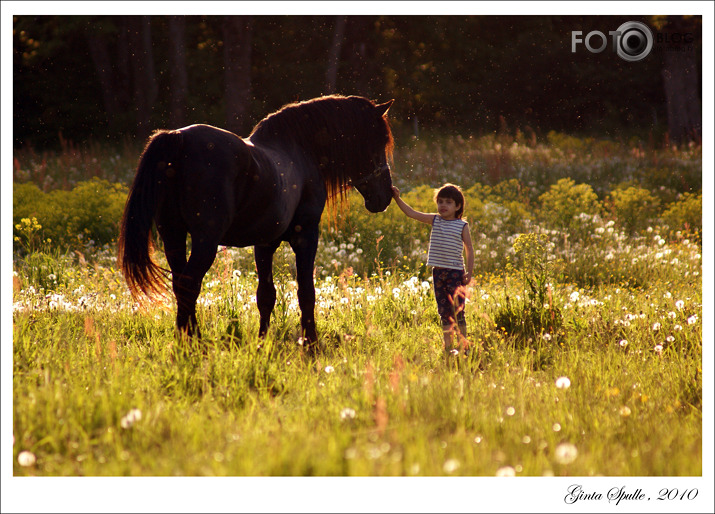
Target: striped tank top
(445,243)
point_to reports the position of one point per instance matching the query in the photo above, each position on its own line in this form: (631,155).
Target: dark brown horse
(271,187)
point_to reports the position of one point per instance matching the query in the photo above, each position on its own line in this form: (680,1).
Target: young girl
(449,238)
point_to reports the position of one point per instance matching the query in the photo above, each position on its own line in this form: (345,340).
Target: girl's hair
(453,192)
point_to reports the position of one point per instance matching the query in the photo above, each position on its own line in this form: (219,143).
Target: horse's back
(229,192)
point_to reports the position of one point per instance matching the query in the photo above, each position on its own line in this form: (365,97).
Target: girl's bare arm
(409,211)
(467,240)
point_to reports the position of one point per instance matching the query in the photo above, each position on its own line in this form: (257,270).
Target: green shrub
(686,214)
(27,202)
(634,208)
(565,201)
(504,207)
(532,317)
(86,217)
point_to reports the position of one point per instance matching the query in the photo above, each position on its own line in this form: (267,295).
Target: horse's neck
(283,166)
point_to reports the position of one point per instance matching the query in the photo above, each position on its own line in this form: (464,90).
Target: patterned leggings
(449,292)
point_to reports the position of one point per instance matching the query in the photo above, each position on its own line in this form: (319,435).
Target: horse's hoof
(309,346)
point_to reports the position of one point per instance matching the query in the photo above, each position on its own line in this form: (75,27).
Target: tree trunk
(331,75)
(237,41)
(178,75)
(681,83)
(103,65)
(144,76)
(115,96)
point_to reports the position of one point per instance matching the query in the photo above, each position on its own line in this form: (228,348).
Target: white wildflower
(450,466)
(565,453)
(132,417)
(563,383)
(506,471)
(26,459)
(347,413)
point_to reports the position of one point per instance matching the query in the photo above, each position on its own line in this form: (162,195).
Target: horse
(271,187)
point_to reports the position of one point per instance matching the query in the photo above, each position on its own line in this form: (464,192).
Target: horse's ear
(383,108)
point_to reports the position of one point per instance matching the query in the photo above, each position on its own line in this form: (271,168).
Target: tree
(115,93)
(143,74)
(331,75)
(177,71)
(681,79)
(237,41)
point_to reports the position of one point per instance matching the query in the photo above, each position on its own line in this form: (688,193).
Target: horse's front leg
(266,292)
(305,248)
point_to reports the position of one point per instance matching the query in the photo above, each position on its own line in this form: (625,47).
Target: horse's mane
(336,132)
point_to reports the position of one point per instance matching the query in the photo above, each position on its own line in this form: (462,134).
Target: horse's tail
(136,244)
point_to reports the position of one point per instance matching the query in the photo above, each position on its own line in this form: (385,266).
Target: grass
(379,399)
(102,387)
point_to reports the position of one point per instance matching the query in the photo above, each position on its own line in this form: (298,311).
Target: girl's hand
(467,278)
(395,192)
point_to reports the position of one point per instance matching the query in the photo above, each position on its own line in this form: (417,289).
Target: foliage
(686,214)
(480,74)
(635,208)
(84,218)
(531,318)
(565,201)
(27,237)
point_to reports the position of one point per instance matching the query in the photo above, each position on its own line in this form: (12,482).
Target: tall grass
(102,387)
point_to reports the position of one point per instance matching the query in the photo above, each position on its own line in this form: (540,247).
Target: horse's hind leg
(187,286)
(266,292)
(174,239)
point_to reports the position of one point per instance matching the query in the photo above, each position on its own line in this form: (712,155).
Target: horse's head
(348,139)
(375,181)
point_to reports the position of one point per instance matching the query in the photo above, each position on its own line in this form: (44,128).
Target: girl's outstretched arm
(409,211)
(467,240)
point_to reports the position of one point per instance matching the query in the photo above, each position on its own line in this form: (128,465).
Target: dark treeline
(113,77)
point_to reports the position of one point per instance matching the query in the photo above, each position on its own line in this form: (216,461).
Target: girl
(450,236)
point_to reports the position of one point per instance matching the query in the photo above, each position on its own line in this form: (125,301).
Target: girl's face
(447,208)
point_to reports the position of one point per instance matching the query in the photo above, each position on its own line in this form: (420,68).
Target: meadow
(584,317)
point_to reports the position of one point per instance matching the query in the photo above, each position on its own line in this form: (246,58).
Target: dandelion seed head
(565,453)
(130,418)
(347,413)
(450,466)
(26,459)
(506,471)
(563,383)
